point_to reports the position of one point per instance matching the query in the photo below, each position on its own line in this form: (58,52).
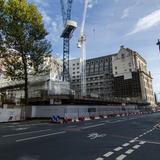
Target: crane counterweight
(69,29)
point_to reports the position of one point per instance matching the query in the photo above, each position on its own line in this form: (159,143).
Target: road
(130,138)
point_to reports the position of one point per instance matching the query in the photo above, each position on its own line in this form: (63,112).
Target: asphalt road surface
(129,138)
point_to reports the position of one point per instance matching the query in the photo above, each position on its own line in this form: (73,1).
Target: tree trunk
(24,59)
(26,84)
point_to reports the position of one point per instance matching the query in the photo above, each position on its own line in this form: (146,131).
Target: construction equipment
(82,44)
(158,43)
(69,27)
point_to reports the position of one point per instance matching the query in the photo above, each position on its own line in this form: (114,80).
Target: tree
(22,31)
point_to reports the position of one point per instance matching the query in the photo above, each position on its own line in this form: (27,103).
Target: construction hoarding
(7,115)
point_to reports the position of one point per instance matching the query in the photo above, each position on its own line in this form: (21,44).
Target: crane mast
(82,45)
(69,27)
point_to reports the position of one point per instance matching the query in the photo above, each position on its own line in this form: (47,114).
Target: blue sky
(110,24)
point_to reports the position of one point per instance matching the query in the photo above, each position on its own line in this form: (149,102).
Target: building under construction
(50,95)
(46,88)
(119,77)
(99,78)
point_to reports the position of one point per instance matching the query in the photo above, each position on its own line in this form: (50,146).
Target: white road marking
(17,134)
(117,121)
(41,136)
(96,135)
(32,124)
(120,120)
(92,126)
(129,151)
(9,127)
(71,126)
(15,123)
(136,146)
(121,157)
(125,145)
(136,138)
(108,154)
(142,142)
(140,135)
(21,129)
(100,158)
(118,148)
(23,125)
(132,141)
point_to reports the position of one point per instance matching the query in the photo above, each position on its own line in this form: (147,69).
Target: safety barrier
(92,117)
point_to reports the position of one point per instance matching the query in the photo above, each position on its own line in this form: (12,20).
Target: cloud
(47,19)
(125,13)
(41,2)
(53,26)
(146,22)
(92,3)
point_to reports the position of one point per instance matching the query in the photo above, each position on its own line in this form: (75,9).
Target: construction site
(56,93)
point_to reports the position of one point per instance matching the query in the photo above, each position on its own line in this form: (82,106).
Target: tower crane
(82,45)
(69,27)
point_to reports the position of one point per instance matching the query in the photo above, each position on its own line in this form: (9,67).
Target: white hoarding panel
(7,115)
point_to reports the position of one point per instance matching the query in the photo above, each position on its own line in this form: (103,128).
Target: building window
(77,64)
(91,71)
(73,72)
(115,67)
(73,64)
(115,72)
